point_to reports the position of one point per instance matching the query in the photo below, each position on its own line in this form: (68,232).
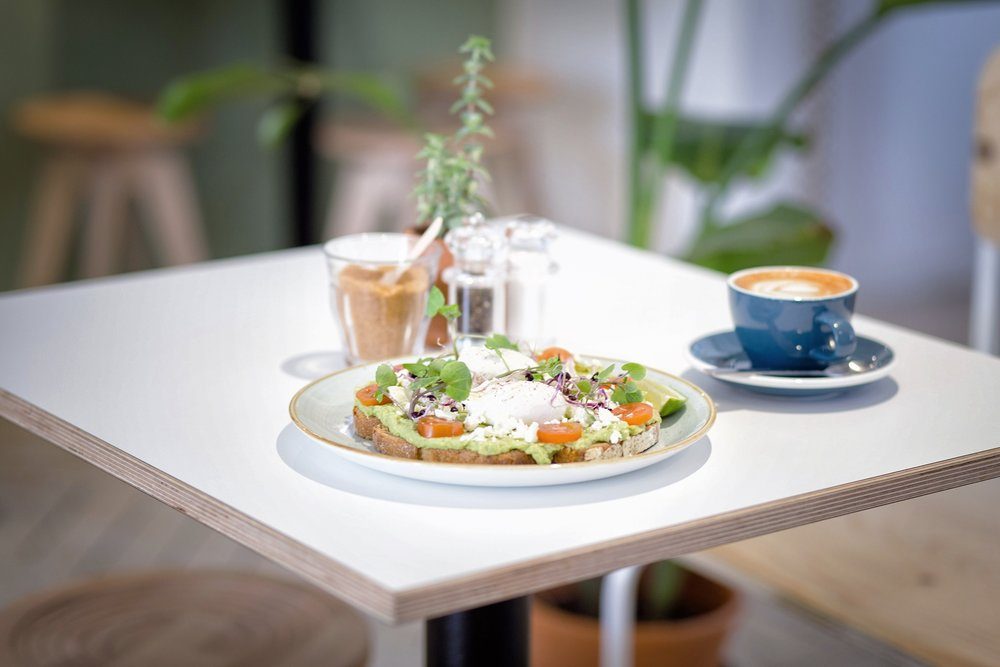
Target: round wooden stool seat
(195,619)
(97,120)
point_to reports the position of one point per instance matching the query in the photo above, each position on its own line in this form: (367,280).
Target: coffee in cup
(793,317)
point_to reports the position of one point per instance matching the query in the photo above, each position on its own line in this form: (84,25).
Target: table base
(496,634)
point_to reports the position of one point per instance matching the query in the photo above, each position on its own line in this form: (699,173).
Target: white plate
(323,411)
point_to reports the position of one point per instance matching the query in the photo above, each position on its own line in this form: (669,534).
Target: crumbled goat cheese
(602,418)
(581,415)
(513,428)
(398,395)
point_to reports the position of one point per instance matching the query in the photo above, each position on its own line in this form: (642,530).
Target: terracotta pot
(437,331)
(560,637)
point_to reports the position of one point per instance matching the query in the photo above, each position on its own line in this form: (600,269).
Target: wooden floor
(62,520)
(923,575)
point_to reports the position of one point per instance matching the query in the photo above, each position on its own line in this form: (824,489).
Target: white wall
(890,165)
(898,152)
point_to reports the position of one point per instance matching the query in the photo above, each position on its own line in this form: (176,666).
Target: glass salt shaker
(476,281)
(529,270)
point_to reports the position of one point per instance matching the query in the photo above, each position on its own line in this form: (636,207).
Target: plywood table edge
(582,563)
(514,580)
(335,578)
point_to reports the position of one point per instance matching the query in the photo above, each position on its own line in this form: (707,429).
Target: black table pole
(300,44)
(495,635)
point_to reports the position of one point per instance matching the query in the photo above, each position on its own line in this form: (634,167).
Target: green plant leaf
(498,341)
(661,591)
(202,91)
(703,147)
(196,93)
(435,301)
(886,6)
(784,234)
(275,124)
(457,379)
(369,89)
(385,377)
(635,371)
(418,369)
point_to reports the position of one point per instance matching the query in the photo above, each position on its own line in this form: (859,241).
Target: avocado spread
(404,428)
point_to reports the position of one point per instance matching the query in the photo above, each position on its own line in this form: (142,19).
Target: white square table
(178,381)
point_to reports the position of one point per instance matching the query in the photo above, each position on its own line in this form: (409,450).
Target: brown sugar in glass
(379,320)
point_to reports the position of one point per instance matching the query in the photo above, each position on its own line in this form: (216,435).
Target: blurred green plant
(447,186)
(658,595)
(291,89)
(717,155)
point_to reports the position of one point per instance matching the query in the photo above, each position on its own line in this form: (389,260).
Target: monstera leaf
(702,147)
(785,234)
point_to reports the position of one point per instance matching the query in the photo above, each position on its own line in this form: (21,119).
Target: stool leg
(104,234)
(166,192)
(356,200)
(50,229)
(984,323)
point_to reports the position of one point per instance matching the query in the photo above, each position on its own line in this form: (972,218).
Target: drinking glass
(378,296)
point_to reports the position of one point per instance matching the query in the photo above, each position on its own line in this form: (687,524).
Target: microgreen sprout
(499,342)
(385,377)
(435,376)
(451,312)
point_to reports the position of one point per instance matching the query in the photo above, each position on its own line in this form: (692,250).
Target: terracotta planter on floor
(437,331)
(560,638)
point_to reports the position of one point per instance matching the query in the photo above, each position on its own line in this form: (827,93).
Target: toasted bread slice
(364,424)
(386,443)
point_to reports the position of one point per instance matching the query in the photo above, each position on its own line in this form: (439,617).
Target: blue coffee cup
(792,317)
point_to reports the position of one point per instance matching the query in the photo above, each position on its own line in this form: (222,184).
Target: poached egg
(500,402)
(486,364)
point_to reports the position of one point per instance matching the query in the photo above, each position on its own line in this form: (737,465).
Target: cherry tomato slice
(549,352)
(435,427)
(634,414)
(366,396)
(558,434)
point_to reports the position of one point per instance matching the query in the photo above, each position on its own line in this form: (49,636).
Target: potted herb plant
(682,620)
(448,185)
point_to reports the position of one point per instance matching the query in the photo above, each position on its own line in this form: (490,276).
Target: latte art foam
(790,287)
(794,283)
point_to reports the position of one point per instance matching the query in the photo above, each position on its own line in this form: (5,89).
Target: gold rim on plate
(669,448)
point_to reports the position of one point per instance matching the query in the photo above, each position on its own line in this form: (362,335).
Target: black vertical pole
(492,636)
(300,45)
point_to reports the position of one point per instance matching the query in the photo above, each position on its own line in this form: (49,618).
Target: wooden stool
(102,150)
(195,619)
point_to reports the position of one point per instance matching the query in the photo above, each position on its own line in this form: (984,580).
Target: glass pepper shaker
(476,281)
(529,269)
